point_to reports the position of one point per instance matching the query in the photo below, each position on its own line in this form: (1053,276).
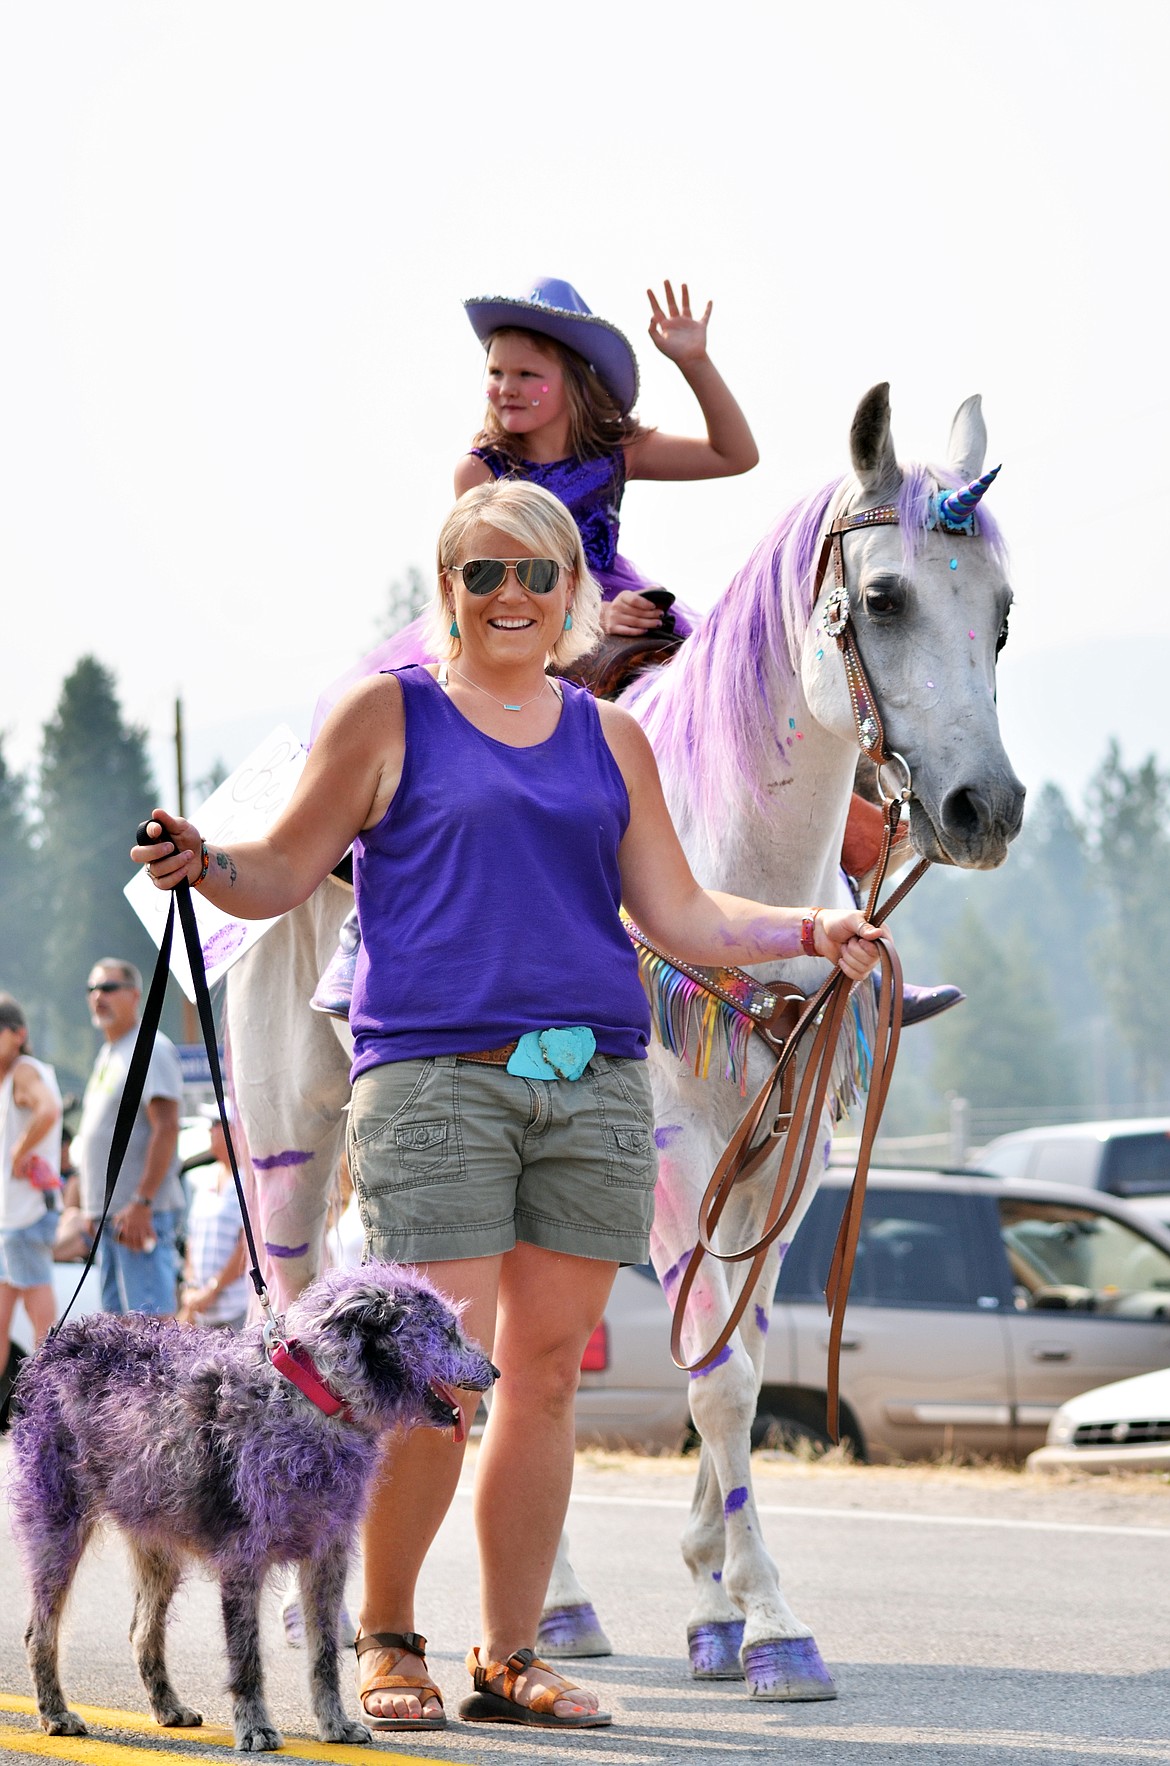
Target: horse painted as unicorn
(755,735)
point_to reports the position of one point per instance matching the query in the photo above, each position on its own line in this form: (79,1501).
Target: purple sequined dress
(591,491)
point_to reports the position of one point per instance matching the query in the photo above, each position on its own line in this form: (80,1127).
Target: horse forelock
(705,715)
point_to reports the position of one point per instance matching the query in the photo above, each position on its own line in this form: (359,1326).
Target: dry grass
(806,1463)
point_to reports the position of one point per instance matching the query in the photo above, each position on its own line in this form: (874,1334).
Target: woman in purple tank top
(500,1132)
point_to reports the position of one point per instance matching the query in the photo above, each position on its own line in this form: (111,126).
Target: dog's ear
(367,1309)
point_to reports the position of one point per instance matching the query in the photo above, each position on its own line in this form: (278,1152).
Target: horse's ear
(967,448)
(872,446)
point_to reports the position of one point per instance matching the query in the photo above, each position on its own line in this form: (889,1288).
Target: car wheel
(774,1430)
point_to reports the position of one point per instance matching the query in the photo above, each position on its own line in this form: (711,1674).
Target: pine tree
(95,787)
(406,597)
(1002,1050)
(21,948)
(1129,816)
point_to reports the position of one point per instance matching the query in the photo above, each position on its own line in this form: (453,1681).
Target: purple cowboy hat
(555,309)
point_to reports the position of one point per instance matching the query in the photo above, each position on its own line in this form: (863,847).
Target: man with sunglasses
(136,1256)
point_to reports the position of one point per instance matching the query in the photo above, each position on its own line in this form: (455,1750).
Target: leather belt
(493,1057)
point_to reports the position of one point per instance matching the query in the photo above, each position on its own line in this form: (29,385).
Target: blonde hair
(527,513)
(596,426)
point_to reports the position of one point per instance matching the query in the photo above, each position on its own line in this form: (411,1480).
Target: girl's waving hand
(728,447)
(676,332)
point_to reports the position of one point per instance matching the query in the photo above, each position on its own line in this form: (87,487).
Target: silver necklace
(503,702)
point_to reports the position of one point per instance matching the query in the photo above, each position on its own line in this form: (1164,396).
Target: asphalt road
(968,1617)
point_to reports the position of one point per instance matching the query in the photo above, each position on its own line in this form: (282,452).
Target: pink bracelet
(808,933)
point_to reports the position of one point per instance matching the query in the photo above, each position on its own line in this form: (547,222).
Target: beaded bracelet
(206,865)
(808,933)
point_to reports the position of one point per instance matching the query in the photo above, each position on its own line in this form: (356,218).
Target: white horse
(754,733)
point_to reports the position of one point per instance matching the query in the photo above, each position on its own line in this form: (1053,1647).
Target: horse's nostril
(965,813)
(495,1371)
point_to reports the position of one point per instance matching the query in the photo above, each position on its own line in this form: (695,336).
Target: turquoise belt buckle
(553,1054)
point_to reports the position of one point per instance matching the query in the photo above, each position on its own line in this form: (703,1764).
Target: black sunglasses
(483,576)
(107,986)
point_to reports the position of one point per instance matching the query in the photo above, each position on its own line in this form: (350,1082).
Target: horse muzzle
(972,827)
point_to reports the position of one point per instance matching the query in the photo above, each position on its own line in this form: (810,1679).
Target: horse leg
(735,1578)
(569,1625)
(714,1625)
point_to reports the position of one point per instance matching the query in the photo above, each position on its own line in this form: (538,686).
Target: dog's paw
(178,1717)
(63,1723)
(355,1733)
(262,1740)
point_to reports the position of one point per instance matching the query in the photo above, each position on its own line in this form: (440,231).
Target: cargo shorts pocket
(632,1159)
(403,1128)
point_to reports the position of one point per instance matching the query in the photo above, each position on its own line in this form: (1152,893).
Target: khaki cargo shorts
(454,1159)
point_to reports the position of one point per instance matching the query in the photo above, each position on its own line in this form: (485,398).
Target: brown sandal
(381,1678)
(486,1706)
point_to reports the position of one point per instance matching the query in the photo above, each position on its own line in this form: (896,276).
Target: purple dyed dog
(194,1445)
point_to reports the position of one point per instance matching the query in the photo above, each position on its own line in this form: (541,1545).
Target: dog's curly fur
(194,1445)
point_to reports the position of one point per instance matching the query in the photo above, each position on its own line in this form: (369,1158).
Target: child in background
(216,1289)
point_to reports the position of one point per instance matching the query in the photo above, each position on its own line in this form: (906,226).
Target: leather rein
(780,1108)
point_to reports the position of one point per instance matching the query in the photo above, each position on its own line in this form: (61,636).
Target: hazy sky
(235,374)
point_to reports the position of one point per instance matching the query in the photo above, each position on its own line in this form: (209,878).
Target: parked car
(1124,1426)
(1129,1158)
(979,1307)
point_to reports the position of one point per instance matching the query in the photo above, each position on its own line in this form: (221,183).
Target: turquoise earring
(568,622)
(454,629)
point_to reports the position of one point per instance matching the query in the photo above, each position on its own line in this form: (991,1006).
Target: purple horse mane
(702,713)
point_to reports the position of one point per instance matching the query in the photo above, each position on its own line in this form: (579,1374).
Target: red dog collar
(296,1365)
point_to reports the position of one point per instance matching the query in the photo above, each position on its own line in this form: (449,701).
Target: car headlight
(1061,1429)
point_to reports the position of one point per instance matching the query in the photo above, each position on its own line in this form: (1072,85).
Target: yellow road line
(92,1752)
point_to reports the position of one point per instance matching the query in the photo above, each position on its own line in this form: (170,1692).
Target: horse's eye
(881,600)
(1003,635)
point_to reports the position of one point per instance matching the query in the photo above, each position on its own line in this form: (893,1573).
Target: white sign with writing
(241,808)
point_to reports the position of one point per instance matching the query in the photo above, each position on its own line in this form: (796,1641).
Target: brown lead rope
(823,1015)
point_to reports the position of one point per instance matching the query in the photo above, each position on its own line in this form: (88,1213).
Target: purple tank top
(591,491)
(488,894)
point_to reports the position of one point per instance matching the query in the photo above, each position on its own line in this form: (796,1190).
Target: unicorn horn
(958,506)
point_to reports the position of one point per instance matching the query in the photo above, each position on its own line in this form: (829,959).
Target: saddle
(617,661)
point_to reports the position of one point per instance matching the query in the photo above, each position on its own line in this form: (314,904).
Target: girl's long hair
(596,426)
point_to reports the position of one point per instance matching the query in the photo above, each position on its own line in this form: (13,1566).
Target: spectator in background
(216,1289)
(136,1256)
(30,1153)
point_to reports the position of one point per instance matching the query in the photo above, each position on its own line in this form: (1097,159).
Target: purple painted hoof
(787,1668)
(571,1631)
(714,1649)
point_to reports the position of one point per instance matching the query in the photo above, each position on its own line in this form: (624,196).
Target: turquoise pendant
(553,1054)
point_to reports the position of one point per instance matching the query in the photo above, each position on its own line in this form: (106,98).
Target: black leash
(136,1083)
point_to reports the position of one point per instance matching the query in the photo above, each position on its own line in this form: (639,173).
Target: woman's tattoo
(226,863)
